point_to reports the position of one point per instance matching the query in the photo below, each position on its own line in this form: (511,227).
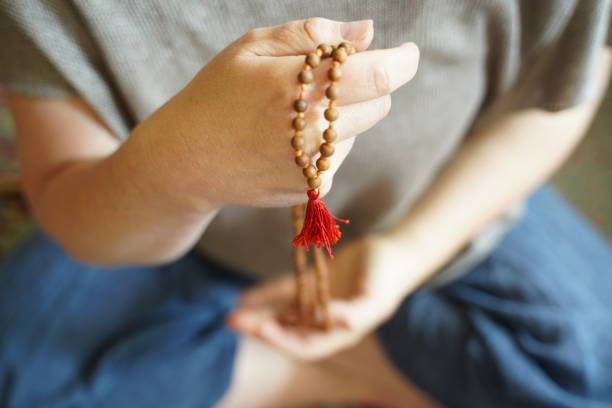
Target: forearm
(495,167)
(103,211)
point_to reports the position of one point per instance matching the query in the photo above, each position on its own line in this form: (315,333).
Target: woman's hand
(225,138)
(369,278)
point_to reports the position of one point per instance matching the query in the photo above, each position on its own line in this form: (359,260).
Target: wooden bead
(348,47)
(332,92)
(339,55)
(314,182)
(330,135)
(331,114)
(297,142)
(313,60)
(305,76)
(299,123)
(301,160)
(326,50)
(300,105)
(309,171)
(327,149)
(323,163)
(334,74)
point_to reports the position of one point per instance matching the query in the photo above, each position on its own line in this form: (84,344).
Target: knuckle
(251,36)
(313,27)
(385,105)
(380,79)
(285,33)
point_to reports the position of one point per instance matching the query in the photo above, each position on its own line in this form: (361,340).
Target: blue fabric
(73,335)
(529,327)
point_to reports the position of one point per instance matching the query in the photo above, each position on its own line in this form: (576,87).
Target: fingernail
(355,30)
(410,45)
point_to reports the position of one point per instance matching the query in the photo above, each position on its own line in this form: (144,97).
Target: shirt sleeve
(25,69)
(547,57)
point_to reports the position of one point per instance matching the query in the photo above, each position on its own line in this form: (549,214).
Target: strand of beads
(306,316)
(339,55)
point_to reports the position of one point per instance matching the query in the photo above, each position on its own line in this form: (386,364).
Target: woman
(148,129)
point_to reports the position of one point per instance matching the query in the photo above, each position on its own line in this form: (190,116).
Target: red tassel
(320,228)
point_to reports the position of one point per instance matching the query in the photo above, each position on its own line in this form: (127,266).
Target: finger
(273,291)
(359,117)
(342,149)
(306,345)
(249,321)
(312,344)
(300,37)
(352,120)
(368,75)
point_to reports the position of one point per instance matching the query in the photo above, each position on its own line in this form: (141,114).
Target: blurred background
(586,179)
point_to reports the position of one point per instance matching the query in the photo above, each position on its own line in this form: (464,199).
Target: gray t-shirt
(479,59)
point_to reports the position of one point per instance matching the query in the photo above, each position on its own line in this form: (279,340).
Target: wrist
(153,177)
(414,264)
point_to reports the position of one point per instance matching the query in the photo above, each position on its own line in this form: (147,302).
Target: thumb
(300,37)
(274,291)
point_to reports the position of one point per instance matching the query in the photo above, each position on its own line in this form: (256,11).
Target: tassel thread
(319,228)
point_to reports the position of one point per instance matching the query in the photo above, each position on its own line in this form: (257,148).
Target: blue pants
(531,326)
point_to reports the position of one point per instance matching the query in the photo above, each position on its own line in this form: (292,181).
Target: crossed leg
(529,326)
(263,377)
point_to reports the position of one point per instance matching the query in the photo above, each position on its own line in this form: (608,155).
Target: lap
(79,335)
(529,326)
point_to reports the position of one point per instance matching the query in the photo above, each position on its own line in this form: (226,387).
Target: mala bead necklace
(317,226)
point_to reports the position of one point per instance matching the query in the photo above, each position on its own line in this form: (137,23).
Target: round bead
(339,55)
(301,160)
(314,182)
(347,46)
(299,123)
(332,92)
(334,73)
(300,105)
(313,60)
(323,163)
(330,135)
(309,171)
(305,76)
(297,142)
(326,50)
(327,149)
(331,114)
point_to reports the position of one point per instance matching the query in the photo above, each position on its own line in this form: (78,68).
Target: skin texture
(187,160)
(214,143)
(499,164)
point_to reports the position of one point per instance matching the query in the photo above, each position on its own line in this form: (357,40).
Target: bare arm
(87,193)
(147,200)
(497,166)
